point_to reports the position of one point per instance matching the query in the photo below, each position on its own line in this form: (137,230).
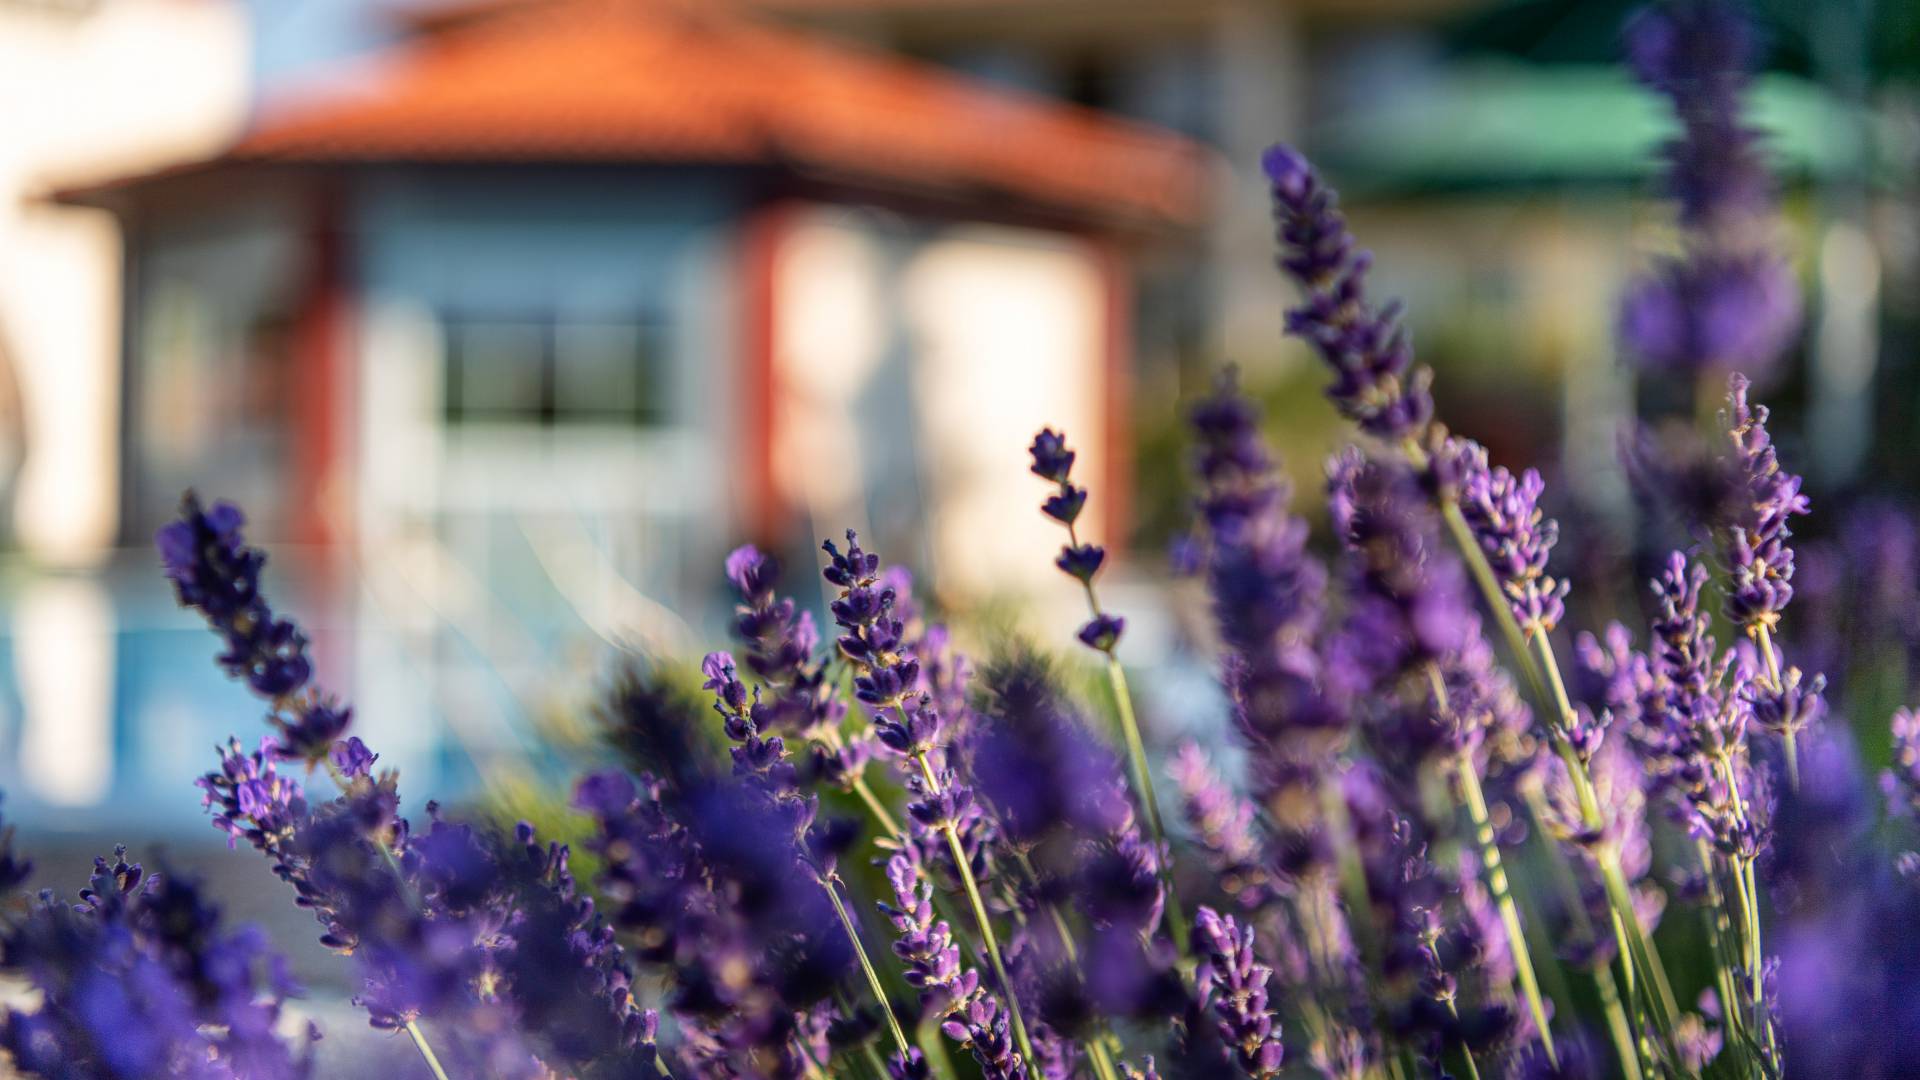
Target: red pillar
(321,457)
(761,506)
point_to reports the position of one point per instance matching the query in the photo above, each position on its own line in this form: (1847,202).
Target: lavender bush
(1469,842)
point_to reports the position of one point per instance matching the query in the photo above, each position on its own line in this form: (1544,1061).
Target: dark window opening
(555,370)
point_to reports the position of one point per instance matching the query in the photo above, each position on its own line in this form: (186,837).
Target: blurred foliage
(1303,430)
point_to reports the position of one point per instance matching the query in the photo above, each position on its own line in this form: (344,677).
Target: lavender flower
(352,758)
(1052,461)
(1236,985)
(1409,603)
(1052,993)
(1504,512)
(874,637)
(1034,763)
(1901,782)
(1711,311)
(780,645)
(1376,383)
(563,969)
(1728,302)
(1118,881)
(140,979)
(707,875)
(443,925)
(1223,826)
(1756,547)
(215,572)
(969,1014)
(1268,599)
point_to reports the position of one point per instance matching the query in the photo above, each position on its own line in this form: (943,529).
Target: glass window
(495,370)
(555,370)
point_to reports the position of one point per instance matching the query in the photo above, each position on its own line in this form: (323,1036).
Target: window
(555,370)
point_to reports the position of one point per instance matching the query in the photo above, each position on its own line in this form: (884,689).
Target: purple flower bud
(353,758)
(311,728)
(1375,381)
(1756,547)
(1790,708)
(969,1014)
(1102,632)
(1236,984)
(912,1066)
(1064,506)
(216,573)
(915,732)
(1902,781)
(1081,561)
(753,573)
(1051,458)
(856,567)
(1222,823)
(1504,513)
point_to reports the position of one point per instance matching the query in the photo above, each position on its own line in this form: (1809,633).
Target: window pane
(609,372)
(599,371)
(494,370)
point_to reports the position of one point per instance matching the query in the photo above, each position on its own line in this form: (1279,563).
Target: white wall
(89,91)
(915,364)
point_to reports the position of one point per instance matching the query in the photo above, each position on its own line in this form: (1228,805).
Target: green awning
(1504,124)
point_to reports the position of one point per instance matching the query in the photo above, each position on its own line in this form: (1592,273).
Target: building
(508,329)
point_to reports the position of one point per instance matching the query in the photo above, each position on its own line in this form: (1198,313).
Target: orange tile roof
(655,80)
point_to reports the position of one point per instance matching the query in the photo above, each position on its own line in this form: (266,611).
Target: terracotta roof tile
(650,80)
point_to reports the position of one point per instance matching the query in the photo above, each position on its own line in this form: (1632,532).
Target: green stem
(1096,1048)
(866,965)
(1634,944)
(1543,677)
(1503,899)
(875,806)
(1137,764)
(421,1044)
(1143,782)
(1060,926)
(1617,1027)
(1764,638)
(1628,978)
(980,914)
(1102,1061)
(1353,876)
(1473,1070)
(1653,977)
(1719,931)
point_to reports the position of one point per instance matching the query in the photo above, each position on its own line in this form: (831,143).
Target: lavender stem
(1137,760)
(1719,929)
(1617,1027)
(1764,638)
(1143,779)
(965,867)
(1626,1046)
(1634,942)
(875,807)
(426,1049)
(866,965)
(1503,896)
(1544,677)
